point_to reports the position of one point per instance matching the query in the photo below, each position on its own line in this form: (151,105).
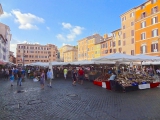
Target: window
(132,40)
(120,50)
(106,45)
(132,32)
(143,49)
(154,47)
(153,1)
(110,50)
(119,33)
(132,23)
(123,26)
(154,10)
(124,52)
(143,24)
(154,32)
(124,35)
(143,6)
(124,43)
(143,36)
(132,52)
(114,44)
(114,50)
(154,20)
(132,14)
(143,15)
(114,35)
(119,42)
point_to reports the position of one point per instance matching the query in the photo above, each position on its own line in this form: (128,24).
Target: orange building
(117,41)
(147,28)
(106,46)
(128,32)
(29,53)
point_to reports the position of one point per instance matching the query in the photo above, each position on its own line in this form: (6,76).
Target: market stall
(132,81)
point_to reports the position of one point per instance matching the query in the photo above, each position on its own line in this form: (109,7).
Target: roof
(89,37)
(74,49)
(116,30)
(128,11)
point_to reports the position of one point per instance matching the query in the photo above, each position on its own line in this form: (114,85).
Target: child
(12,79)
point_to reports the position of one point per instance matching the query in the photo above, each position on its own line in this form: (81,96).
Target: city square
(80,102)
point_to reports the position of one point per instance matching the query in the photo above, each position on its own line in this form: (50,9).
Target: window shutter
(157,46)
(152,20)
(156,20)
(145,24)
(151,47)
(157,32)
(152,32)
(141,36)
(141,49)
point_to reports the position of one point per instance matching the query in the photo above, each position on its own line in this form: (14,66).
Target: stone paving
(81,102)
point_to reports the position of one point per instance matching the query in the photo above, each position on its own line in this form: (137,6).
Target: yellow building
(64,49)
(147,28)
(128,32)
(71,55)
(88,46)
(117,41)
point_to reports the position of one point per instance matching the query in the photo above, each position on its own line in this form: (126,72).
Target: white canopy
(117,57)
(143,57)
(86,62)
(59,63)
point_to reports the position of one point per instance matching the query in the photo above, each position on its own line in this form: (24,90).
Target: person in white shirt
(112,81)
(49,78)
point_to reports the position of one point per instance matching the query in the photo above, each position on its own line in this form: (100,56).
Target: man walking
(65,73)
(49,78)
(81,75)
(19,74)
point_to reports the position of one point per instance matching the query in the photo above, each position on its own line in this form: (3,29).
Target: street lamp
(23,56)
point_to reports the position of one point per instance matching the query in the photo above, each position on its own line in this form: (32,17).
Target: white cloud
(65,44)
(26,20)
(6,15)
(48,28)
(74,31)
(60,37)
(66,25)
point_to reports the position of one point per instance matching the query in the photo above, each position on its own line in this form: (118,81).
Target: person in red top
(81,75)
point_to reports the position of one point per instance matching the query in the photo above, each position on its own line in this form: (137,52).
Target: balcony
(147,15)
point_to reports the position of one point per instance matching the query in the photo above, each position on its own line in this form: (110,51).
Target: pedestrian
(65,72)
(81,75)
(74,77)
(112,81)
(19,75)
(49,78)
(11,79)
(29,71)
(42,79)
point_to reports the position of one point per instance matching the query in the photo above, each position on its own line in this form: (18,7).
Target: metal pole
(23,56)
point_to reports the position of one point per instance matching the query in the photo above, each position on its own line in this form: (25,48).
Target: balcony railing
(147,15)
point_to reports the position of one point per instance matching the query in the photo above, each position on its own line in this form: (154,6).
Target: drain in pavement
(72,95)
(21,91)
(12,106)
(32,102)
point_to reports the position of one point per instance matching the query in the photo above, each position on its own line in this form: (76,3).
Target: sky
(62,22)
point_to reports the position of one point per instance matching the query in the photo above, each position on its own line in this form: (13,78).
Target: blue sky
(62,21)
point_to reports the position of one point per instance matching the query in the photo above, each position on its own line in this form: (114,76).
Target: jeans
(19,81)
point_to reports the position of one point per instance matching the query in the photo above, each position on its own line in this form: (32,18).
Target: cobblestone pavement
(81,102)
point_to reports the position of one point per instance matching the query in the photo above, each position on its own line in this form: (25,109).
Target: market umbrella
(143,57)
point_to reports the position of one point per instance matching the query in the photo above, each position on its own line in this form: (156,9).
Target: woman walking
(11,79)
(74,77)
(42,79)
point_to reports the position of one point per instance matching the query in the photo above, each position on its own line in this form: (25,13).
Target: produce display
(103,77)
(134,79)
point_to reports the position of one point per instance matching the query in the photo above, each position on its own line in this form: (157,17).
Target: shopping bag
(35,80)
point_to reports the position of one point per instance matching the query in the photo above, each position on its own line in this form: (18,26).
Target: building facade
(86,47)
(71,55)
(106,45)
(64,49)
(117,41)
(29,53)
(128,32)
(147,28)
(5,38)
(12,57)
